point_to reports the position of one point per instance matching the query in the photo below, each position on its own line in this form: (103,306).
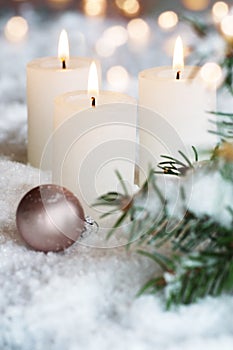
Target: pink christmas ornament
(50,218)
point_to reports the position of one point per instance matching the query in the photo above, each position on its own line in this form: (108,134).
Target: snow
(84,297)
(215,194)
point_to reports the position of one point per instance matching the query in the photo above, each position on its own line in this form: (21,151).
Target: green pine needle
(177,167)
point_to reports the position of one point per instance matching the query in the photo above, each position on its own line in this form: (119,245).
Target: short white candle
(92,142)
(182,99)
(47,78)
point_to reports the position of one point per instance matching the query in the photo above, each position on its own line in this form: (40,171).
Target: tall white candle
(180,101)
(47,78)
(90,143)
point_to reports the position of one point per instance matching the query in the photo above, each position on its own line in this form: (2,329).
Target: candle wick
(93,102)
(178,75)
(63,64)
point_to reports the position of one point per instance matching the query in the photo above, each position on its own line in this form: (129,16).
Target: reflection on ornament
(50,218)
(16,29)
(118,78)
(167,20)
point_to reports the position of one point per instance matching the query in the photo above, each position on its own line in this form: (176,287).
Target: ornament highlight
(50,218)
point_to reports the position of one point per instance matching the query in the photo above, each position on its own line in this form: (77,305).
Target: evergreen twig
(174,166)
(201,259)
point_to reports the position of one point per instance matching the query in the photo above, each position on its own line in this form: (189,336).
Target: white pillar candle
(90,143)
(71,103)
(47,78)
(182,99)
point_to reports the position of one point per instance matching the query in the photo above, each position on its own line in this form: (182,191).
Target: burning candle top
(48,77)
(63,48)
(181,96)
(95,135)
(178,58)
(76,101)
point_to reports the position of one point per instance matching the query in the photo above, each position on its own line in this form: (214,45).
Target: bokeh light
(118,78)
(138,30)
(219,10)
(129,7)
(212,74)
(167,20)
(16,29)
(196,5)
(118,35)
(119,3)
(227,26)
(59,4)
(95,8)
(104,48)
(112,38)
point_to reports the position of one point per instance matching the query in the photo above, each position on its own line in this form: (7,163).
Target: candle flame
(63,46)
(93,81)
(178,56)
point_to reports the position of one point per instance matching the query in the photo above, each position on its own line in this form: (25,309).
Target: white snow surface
(84,297)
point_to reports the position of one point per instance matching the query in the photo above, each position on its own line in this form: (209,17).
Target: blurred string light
(103,48)
(219,10)
(16,29)
(118,78)
(196,5)
(211,73)
(59,4)
(117,34)
(129,7)
(139,32)
(95,8)
(112,38)
(167,20)
(227,27)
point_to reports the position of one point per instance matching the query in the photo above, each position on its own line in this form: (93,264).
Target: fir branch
(193,277)
(200,28)
(165,263)
(201,256)
(174,166)
(222,114)
(227,65)
(224,124)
